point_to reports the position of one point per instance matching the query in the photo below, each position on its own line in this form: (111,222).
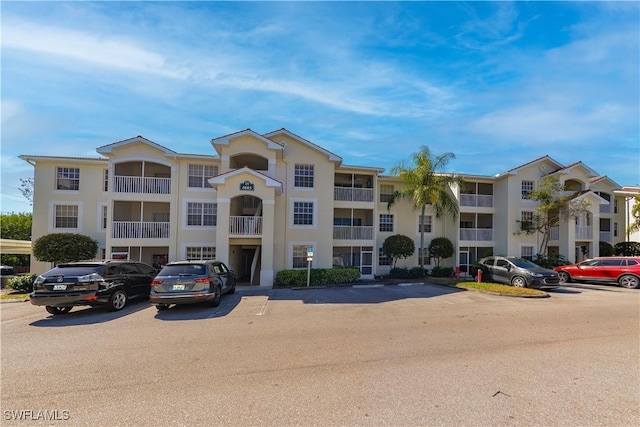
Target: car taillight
(202,280)
(156,282)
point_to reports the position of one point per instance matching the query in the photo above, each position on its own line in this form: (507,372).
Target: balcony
(583,232)
(245,226)
(140,230)
(353,194)
(141,185)
(476,234)
(477,200)
(345,232)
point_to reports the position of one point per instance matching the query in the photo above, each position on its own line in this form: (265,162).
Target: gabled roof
(603,178)
(226,139)
(332,157)
(566,169)
(269,182)
(588,193)
(108,149)
(545,158)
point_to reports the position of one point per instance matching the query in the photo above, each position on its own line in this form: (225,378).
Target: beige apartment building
(261,202)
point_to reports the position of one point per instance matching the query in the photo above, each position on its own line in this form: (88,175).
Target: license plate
(178,287)
(59,287)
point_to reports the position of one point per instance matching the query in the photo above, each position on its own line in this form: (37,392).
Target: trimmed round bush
(23,283)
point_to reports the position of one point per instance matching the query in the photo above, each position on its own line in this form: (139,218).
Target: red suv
(625,271)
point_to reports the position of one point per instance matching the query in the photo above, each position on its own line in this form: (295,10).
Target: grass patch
(14,296)
(500,289)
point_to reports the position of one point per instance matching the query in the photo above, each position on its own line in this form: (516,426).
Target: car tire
(217,295)
(564,277)
(57,310)
(629,281)
(162,307)
(519,282)
(117,300)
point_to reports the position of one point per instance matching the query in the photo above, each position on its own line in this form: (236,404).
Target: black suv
(515,271)
(93,283)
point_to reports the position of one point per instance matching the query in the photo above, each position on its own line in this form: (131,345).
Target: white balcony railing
(245,225)
(141,184)
(476,234)
(478,200)
(346,232)
(584,232)
(352,194)
(140,230)
(554,233)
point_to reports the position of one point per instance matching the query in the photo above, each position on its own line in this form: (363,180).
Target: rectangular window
(103,219)
(106,180)
(383,259)
(426,257)
(386,223)
(527,188)
(386,193)
(300,256)
(526,220)
(615,229)
(68,179)
(199,174)
(425,224)
(303,213)
(202,214)
(303,176)
(615,206)
(200,252)
(526,252)
(66,216)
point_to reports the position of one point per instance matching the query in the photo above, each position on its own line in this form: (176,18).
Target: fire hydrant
(479,275)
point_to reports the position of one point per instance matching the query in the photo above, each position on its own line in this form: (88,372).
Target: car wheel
(57,310)
(117,301)
(629,281)
(216,297)
(564,277)
(162,307)
(519,282)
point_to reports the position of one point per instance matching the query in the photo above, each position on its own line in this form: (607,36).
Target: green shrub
(406,273)
(606,249)
(318,276)
(439,271)
(550,261)
(22,284)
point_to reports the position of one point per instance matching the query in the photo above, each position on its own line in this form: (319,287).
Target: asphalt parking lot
(390,355)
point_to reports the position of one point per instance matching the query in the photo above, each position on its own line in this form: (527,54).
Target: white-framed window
(200,252)
(386,223)
(383,259)
(65,216)
(105,176)
(527,188)
(615,229)
(68,179)
(201,214)
(526,220)
(299,255)
(303,213)
(426,256)
(303,176)
(526,252)
(425,223)
(615,206)
(386,192)
(102,220)
(199,174)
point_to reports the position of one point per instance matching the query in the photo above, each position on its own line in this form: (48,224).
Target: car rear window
(183,270)
(75,270)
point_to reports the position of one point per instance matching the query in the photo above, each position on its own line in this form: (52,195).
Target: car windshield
(523,263)
(74,270)
(183,270)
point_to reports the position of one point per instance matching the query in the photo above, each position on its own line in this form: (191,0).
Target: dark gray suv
(92,283)
(186,282)
(515,271)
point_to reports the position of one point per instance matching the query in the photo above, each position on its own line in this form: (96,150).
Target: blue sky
(496,83)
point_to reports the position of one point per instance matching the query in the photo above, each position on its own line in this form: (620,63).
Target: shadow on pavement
(84,315)
(200,311)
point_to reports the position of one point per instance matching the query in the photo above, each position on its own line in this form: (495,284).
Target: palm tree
(427,184)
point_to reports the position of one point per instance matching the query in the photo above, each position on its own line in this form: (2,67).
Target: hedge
(318,277)
(23,283)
